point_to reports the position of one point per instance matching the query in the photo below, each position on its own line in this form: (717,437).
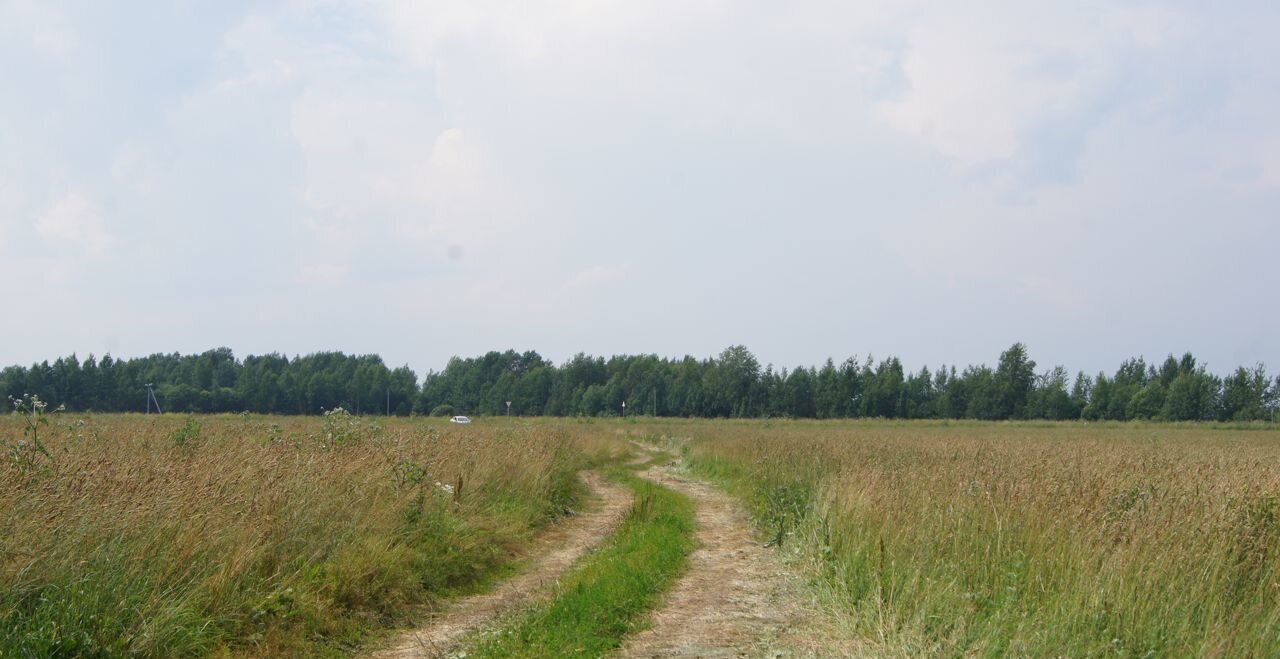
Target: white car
(459,419)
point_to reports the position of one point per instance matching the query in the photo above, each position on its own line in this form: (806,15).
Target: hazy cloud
(811,179)
(74,220)
(595,276)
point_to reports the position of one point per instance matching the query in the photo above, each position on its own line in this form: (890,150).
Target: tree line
(215,381)
(732,384)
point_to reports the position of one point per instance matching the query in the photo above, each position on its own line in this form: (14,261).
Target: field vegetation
(259,536)
(605,598)
(1069,539)
(242,535)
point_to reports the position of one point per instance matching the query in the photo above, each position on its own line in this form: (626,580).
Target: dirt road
(737,599)
(556,550)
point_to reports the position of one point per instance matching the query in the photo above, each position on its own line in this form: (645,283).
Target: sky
(1098,180)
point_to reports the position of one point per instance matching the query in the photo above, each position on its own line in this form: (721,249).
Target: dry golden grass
(1023,539)
(260,535)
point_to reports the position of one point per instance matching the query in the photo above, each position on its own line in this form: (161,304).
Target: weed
(29,453)
(188,435)
(340,428)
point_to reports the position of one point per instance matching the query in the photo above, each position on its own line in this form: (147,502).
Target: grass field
(264,536)
(1022,539)
(241,535)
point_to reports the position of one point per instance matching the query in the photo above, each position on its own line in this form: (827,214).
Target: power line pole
(151,397)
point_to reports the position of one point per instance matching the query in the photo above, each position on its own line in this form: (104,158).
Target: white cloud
(981,78)
(388,162)
(73,219)
(970,95)
(463,200)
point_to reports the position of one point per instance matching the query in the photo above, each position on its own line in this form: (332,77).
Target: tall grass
(235,535)
(1030,540)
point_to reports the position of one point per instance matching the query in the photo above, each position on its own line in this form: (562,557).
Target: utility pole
(151,397)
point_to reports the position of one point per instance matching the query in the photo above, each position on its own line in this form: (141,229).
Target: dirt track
(556,550)
(737,599)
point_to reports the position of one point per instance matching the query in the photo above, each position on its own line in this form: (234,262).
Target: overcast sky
(423,179)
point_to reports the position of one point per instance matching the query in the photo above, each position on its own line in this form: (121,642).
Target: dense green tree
(593,401)
(1192,396)
(1247,395)
(729,384)
(982,393)
(1081,392)
(919,398)
(829,392)
(730,379)
(884,390)
(1014,378)
(798,394)
(1049,398)
(854,386)
(1147,402)
(951,403)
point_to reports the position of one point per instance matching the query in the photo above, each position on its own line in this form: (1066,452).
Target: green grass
(604,598)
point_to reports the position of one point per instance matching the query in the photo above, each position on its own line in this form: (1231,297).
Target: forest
(732,384)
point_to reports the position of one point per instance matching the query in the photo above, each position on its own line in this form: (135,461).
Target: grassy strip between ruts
(604,598)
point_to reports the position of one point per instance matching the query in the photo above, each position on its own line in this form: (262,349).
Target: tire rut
(737,598)
(555,551)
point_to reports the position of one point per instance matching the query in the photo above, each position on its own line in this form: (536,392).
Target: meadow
(247,535)
(1022,539)
(240,535)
